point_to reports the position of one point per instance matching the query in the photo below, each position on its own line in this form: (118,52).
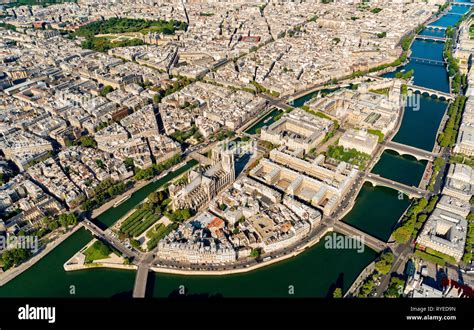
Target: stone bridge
(139,288)
(436,27)
(404,149)
(410,191)
(463,3)
(430,92)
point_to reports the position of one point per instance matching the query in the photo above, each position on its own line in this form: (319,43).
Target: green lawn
(382,91)
(157,233)
(97,251)
(435,257)
(351,156)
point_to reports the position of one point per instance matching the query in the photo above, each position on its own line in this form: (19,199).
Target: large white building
(297,130)
(444,232)
(199,241)
(359,140)
(465,140)
(315,182)
(454,205)
(22,147)
(459,182)
(363,108)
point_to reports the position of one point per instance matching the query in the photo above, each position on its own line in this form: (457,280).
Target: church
(204,185)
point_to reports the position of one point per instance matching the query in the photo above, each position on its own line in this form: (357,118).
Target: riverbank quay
(78,261)
(10,274)
(249,264)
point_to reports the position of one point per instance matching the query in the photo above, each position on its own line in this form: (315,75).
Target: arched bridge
(462,3)
(410,191)
(430,92)
(436,27)
(403,149)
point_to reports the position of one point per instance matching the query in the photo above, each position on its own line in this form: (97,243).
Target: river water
(378,209)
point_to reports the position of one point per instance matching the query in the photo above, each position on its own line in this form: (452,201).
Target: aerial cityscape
(236,148)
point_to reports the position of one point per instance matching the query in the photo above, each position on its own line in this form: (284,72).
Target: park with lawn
(351,156)
(97,251)
(138,222)
(103,35)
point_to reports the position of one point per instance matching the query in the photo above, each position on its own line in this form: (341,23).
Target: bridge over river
(431,38)
(371,241)
(410,191)
(141,277)
(427,60)
(436,27)
(99,233)
(139,289)
(429,91)
(404,149)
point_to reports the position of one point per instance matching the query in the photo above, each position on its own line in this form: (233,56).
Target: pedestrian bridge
(371,241)
(403,149)
(410,191)
(432,38)
(430,92)
(139,288)
(427,60)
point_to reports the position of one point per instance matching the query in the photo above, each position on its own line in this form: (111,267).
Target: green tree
(337,293)
(135,243)
(395,287)
(87,141)
(14,257)
(255,253)
(63,220)
(106,90)
(71,219)
(384,264)
(53,225)
(129,164)
(99,163)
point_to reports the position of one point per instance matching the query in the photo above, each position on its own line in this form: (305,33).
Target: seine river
(313,273)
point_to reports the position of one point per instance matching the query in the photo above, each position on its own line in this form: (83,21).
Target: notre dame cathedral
(204,184)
